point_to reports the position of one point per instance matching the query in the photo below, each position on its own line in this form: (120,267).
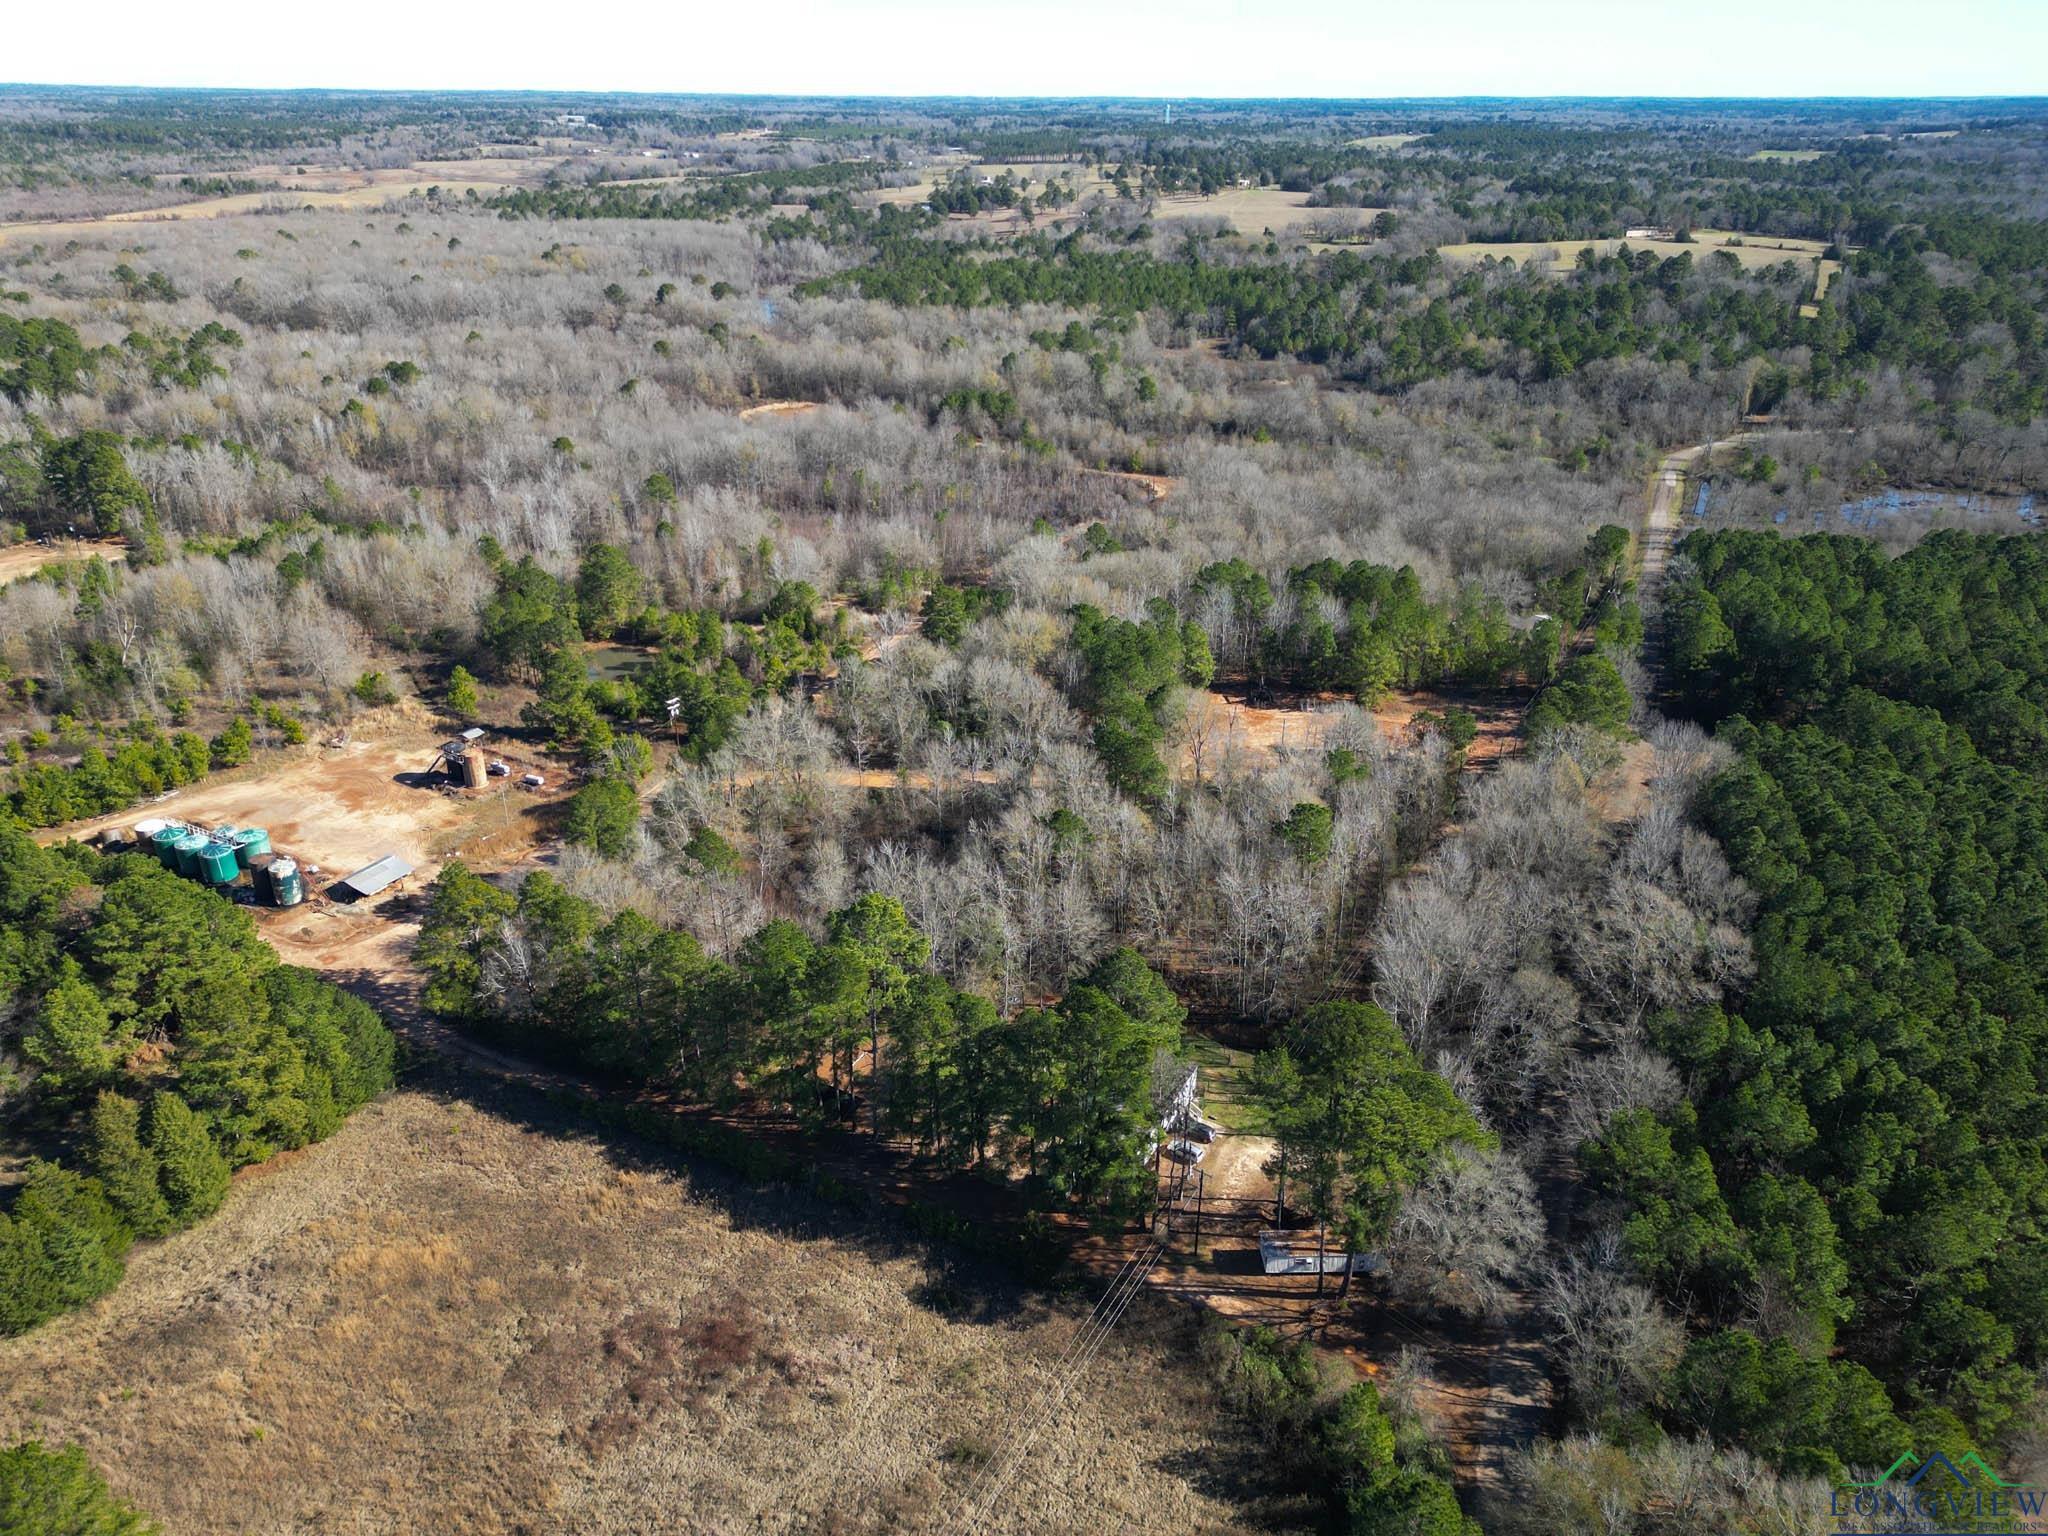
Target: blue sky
(1169,48)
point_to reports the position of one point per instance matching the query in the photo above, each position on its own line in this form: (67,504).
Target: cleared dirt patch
(338,808)
(1156,487)
(443,1321)
(19,560)
(768,408)
(341,807)
(1224,735)
(1499,716)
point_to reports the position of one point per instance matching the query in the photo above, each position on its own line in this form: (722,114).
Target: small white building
(1300,1253)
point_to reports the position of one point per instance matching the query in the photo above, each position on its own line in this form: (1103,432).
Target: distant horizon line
(1876,98)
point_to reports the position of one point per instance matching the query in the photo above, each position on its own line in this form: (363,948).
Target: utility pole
(1158,1148)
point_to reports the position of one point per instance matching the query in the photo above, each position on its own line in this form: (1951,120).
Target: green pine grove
(1865,1142)
(168,1046)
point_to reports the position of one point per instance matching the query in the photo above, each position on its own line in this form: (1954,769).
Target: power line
(1073,1379)
(1074,1346)
(1075,1371)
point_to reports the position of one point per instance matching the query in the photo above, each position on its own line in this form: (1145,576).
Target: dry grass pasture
(322,188)
(1753,251)
(1250,210)
(445,1321)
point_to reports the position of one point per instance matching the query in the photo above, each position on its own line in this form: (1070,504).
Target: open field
(1386,140)
(496,171)
(315,189)
(1038,172)
(1754,250)
(19,560)
(1789,156)
(1250,210)
(442,1320)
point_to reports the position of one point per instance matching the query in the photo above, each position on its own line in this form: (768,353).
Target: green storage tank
(250,843)
(287,885)
(187,850)
(166,841)
(217,864)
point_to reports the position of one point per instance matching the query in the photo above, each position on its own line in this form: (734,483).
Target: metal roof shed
(374,877)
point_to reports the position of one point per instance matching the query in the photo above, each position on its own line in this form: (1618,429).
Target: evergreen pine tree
(124,1166)
(72,1038)
(192,1170)
(58,1493)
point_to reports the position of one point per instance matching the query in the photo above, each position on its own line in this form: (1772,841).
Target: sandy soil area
(770,408)
(335,809)
(19,560)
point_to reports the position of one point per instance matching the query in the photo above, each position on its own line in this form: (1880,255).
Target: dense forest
(1866,1146)
(1505,638)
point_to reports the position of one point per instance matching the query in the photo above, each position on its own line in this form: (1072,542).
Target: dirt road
(1515,1363)
(1666,515)
(1660,524)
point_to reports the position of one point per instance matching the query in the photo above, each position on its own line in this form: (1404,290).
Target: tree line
(854,1025)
